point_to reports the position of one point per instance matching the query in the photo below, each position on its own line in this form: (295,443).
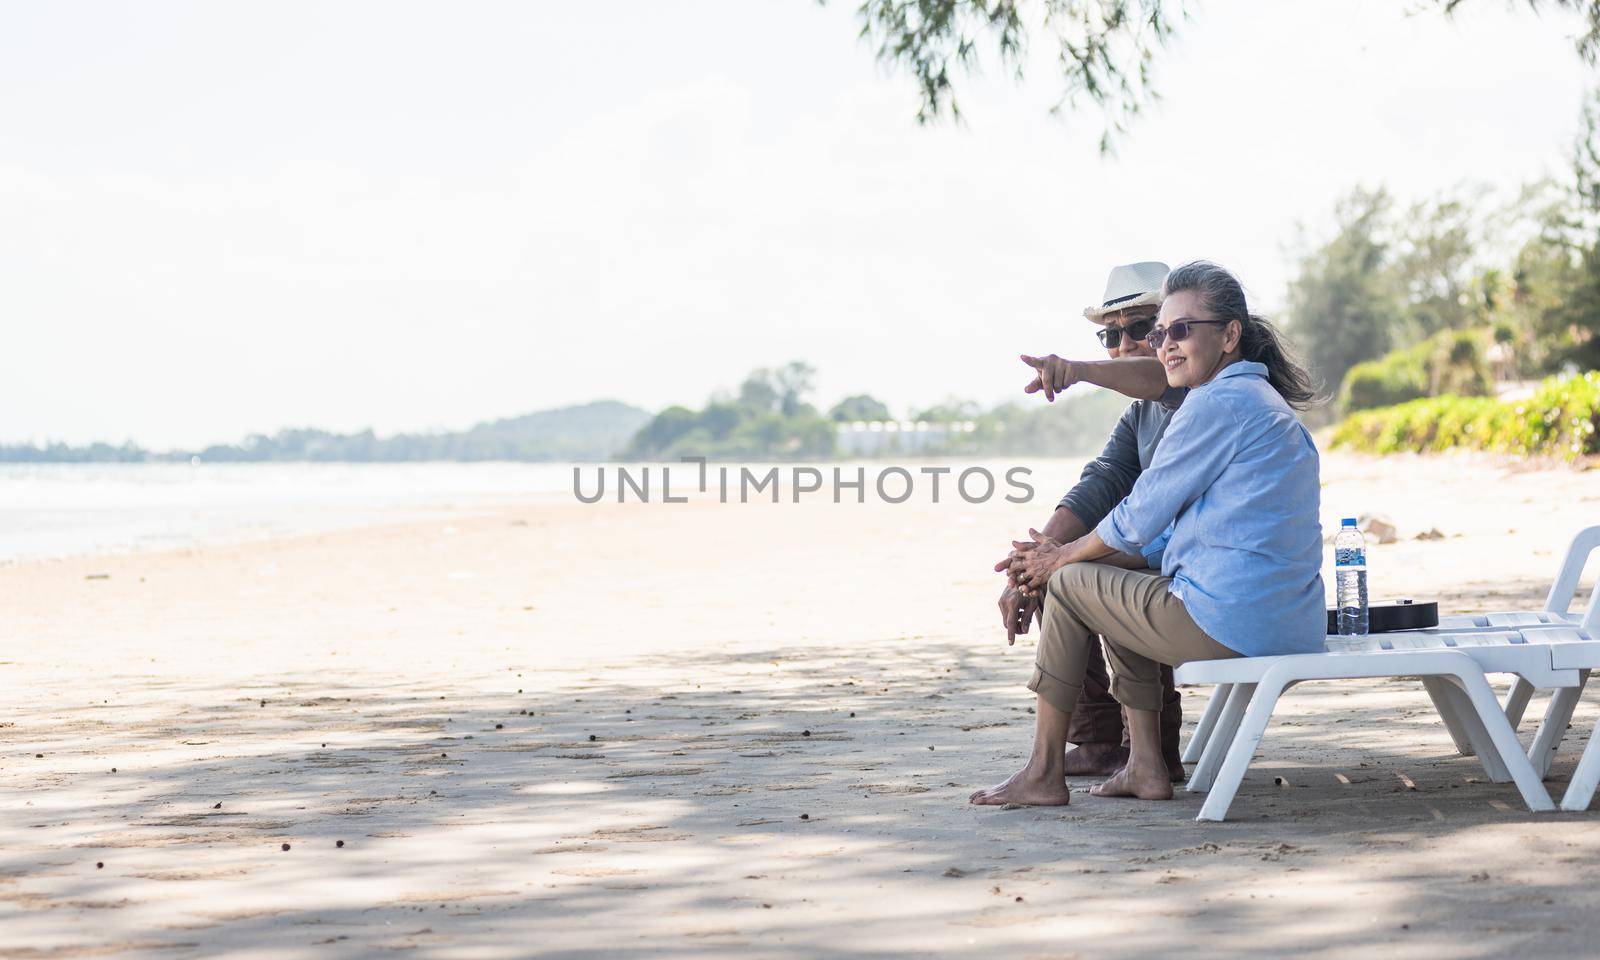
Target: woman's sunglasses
(1178,330)
(1111,337)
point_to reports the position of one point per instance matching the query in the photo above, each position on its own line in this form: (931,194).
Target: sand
(699,729)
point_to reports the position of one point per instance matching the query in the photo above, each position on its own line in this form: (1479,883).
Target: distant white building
(877,438)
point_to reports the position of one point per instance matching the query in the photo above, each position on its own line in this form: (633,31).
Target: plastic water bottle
(1350,572)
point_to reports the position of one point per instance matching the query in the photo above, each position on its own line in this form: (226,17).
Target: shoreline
(339,508)
(248,502)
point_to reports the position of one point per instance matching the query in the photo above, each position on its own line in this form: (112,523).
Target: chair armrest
(1565,587)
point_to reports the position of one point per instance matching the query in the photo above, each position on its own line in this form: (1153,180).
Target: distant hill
(590,431)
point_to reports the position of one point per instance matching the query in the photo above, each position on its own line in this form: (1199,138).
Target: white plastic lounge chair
(1548,649)
(1452,667)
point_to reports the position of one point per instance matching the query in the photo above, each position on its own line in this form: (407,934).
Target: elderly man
(1126,315)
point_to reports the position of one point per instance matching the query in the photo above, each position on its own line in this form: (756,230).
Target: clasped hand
(1027,568)
(1030,563)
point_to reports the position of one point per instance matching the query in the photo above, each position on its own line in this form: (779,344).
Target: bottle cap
(1348,522)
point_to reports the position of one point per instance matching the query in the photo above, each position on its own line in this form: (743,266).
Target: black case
(1387,616)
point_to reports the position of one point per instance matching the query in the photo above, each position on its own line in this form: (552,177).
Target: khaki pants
(1144,627)
(1098,716)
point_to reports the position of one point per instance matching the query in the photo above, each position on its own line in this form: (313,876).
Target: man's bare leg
(1043,782)
(1146,775)
(1096,726)
(1096,759)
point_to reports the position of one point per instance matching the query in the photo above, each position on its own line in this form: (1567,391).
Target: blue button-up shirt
(1236,479)
(1108,479)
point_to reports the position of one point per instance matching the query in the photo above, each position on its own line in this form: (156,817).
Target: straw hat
(1130,285)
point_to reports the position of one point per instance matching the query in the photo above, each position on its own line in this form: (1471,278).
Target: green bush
(1393,379)
(1561,419)
(1449,362)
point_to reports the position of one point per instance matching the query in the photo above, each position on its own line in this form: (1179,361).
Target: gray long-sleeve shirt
(1109,478)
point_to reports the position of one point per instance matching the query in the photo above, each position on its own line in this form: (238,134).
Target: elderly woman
(1233,490)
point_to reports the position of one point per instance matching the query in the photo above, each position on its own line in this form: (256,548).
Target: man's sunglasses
(1178,330)
(1111,337)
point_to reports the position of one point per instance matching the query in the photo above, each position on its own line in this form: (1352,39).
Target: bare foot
(1096,759)
(1029,786)
(1145,783)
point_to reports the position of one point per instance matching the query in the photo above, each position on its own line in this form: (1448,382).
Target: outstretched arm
(1142,378)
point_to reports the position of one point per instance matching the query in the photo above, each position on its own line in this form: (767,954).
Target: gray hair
(1222,296)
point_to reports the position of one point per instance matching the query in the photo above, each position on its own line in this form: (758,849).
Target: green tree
(758,393)
(1586,157)
(1553,312)
(793,384)
(1529,295)
(1569,329)
(719,419)
(861,406)
(952,408)
(1105,49)
(1343,305)
(1433,263)
(662,431)
(769,418)
(1073,427)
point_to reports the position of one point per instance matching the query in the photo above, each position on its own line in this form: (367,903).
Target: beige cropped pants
(1144,627)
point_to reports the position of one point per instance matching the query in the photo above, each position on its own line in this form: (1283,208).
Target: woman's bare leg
(1043,782)
(1146,775)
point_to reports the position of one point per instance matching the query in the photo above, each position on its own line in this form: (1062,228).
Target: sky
(219,219)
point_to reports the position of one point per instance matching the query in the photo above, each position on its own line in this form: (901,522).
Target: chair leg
(1446,706)
(1517,701)
(1208,720)
(1556,718)
(1585,777)
(1477,735)
(1504,739)
(1221,739)
(1241,751)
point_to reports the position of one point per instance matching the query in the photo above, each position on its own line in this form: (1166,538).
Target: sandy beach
(738,730)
